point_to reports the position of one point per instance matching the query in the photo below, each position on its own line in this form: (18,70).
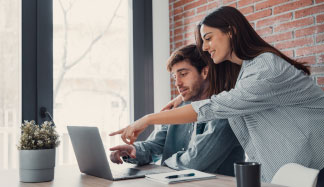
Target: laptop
(92,160)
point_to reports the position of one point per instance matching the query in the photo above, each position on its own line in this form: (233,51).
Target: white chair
(295,175)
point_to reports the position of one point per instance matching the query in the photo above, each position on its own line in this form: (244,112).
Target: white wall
(161,51)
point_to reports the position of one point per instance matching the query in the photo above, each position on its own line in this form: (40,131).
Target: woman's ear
(232,30)
(230,35)
(204,72)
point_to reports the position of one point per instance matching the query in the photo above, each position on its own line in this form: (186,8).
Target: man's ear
(204,72)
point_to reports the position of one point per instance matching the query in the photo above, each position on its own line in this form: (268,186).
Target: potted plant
(37,151)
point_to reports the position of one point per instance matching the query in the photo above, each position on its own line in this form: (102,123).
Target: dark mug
(247,174)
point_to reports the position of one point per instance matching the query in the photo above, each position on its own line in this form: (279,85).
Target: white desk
(70,176)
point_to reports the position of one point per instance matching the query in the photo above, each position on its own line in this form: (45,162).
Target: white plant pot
(36,165)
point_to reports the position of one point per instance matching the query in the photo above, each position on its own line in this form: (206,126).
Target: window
(90,68)
(106,56)
(10,82)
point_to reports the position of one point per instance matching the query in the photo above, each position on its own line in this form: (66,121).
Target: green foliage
(35,136)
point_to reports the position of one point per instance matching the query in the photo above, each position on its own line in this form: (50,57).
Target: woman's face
(216,43)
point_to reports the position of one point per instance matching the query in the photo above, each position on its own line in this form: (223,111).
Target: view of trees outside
(91,71)
(10,81)
(91,68)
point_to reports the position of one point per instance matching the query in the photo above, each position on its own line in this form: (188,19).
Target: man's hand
(120,151)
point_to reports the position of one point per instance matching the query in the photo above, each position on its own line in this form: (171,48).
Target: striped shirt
(276,113)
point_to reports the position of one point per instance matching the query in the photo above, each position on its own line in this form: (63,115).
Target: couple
(273,106)
(210,147)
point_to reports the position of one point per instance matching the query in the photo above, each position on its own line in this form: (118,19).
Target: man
(210,147)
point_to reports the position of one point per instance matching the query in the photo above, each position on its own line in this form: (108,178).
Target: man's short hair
(188,53)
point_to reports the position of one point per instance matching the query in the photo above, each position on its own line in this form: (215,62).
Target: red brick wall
(296,27)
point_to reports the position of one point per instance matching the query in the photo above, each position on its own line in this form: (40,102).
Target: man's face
(188,81)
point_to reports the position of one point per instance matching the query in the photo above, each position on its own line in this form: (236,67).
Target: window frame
(143,78)
(37,60)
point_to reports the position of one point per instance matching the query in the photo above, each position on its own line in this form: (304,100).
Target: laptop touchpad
(132,171)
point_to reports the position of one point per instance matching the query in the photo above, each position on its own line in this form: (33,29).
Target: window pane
(91,68)
(10,82)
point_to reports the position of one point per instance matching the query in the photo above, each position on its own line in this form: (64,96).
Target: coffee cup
(247,174)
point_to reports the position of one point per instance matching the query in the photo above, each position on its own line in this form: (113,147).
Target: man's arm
(211,147)
(145,150)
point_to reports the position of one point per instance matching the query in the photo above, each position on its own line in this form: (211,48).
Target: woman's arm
(180,115)
(185,114)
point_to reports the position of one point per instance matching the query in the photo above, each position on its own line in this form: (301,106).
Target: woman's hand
(130,133)
(173,103)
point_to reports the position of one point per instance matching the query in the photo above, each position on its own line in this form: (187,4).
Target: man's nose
(178,82)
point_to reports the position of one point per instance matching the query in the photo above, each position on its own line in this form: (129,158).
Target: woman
(275,109)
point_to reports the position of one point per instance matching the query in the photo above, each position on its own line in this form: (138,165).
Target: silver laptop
(92,160)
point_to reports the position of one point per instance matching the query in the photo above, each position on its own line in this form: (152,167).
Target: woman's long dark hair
(245,43)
